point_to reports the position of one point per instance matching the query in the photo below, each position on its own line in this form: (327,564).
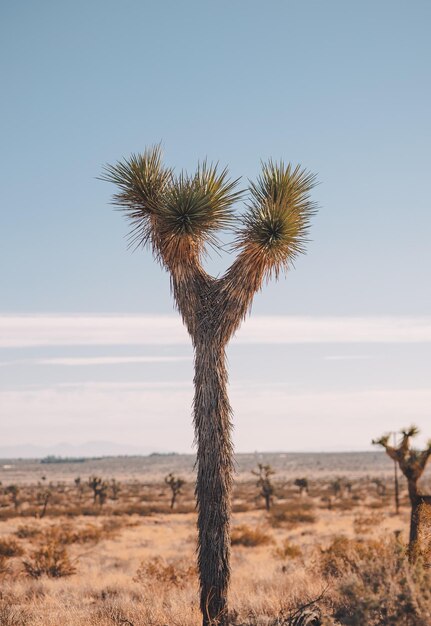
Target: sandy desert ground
(340,549)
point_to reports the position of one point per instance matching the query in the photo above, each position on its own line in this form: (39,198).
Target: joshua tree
(337,487)
(380,486)
(43,497)
(177,216)
(100,489)
(79,487)
(412,463)
(115,488)
(264,473)
(175,485)
(13,491)
(302,484)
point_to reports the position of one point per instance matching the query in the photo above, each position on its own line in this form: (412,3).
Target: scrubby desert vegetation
(334,555)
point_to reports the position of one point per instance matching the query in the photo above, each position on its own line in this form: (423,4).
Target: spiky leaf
(199,205)
(143,182)
(275,227)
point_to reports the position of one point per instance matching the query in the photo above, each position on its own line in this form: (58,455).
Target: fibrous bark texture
(212,310)
(213,426)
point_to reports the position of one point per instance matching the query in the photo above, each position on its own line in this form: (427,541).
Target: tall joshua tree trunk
(212,419)
(177,216)
(414,514)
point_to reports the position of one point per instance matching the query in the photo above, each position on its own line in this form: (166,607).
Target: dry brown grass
(176,573)
(292,514)
(51,559)
(244,535)
(140,569)
(9,547)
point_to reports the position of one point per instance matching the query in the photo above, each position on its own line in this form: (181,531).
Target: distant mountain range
(88,449)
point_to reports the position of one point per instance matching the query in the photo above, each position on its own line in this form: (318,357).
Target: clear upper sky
(342,87)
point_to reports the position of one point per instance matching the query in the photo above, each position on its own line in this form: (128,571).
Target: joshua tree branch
(235,293)
(390,450)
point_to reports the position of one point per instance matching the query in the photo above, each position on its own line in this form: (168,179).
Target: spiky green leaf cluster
(381,441)
(143,181)
(412,431)
(279,212)
(162,206)
(198,205)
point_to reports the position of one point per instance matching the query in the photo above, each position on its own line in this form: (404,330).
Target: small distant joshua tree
(99,488)
(412,463)
(79,487)
(175,485)
(380,486)
(43,497)
(13,491)
(264,473)
(302,484)
(177,217)
(115,489)
(337,487)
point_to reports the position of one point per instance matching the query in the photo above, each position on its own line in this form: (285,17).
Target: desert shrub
(112,615)
(241,506)
(302,484)
(345,554)
(158,570)
(3,566)
(376,585)
(27,532)
(346,504)
(364,523)
(51,559)
(292,514)
(11,615)
(287,550)
(10,547)
(249,537)
(68,533)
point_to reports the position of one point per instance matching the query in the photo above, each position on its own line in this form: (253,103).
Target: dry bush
(27,532)
(69,533)
(425,532)
(362,524)
(375,585)
(346,504)
(344,553)
(51,559)
(249,537)
(158,570)
(4,568)
(11,615)
(287,550)
(292,514)
(10,547)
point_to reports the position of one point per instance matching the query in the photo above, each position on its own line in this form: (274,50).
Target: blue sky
(343,88)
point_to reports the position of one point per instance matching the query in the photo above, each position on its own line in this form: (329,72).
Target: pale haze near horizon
(334,355)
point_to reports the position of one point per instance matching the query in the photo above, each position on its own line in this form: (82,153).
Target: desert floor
(340,549)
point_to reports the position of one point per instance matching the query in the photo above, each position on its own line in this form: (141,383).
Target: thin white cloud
(124,386)
(98,360)
(159,415)
(63,330)
(348,357)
